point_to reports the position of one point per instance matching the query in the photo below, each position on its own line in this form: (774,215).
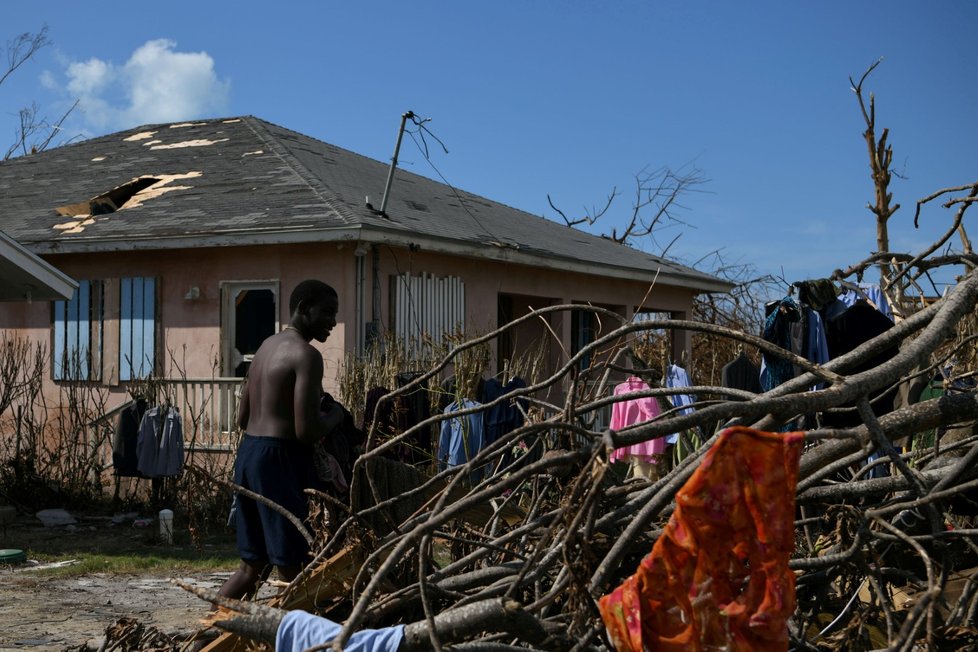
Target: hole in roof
(416,206)
(108,202)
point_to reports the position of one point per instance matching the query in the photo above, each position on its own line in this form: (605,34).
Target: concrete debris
(55,517)
(33,565)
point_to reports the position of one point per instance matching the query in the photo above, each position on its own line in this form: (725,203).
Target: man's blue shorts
(279,469)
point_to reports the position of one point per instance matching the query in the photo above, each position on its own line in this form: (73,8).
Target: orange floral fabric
(718,575)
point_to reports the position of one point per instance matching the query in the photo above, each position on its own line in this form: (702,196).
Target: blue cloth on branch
(300,631)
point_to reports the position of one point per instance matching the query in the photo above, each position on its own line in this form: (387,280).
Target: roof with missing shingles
(247,181)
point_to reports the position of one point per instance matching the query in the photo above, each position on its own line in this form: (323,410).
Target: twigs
(515,545)
(539,517)
(935,195)
(556,550)
(34,132)
(911,624)
(555,531)
(956,225)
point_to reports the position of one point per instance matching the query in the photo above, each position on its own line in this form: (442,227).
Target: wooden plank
(111,334)
(125,330)
(147,360)
(83,311)
(60,338)
(138,325)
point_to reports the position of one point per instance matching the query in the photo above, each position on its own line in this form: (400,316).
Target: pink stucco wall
(484,280)
(190,327)
(536,287)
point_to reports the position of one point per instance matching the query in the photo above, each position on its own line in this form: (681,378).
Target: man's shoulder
(298,350)
(282,345)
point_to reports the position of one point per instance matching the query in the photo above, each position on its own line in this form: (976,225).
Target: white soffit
(25,277)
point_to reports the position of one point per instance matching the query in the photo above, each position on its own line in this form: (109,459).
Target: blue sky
(568,99)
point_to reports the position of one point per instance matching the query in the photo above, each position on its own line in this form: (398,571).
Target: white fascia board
(31,278)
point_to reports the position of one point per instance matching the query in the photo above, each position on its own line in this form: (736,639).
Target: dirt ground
(44,609)
(39,612)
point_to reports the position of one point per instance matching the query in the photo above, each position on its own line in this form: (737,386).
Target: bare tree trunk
(880,159)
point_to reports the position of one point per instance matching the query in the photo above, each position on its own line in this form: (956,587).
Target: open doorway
(249,315)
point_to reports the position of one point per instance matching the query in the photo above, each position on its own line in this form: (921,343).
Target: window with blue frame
(77,348)
(137,327)
(583,332)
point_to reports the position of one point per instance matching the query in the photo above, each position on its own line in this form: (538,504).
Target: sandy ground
(41,610)
(41,613)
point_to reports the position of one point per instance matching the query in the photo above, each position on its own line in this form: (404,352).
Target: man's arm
(310,424)
(243,405)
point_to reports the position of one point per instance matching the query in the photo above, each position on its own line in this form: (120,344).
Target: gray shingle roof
(246,181)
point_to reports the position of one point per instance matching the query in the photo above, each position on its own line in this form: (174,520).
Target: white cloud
(156,84)
(89,78)
(48,81)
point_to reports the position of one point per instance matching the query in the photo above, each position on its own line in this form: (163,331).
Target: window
(137,328)
(426,307)
(77,349)
(583,332)
(249,314)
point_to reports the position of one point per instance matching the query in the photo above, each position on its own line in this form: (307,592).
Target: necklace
(290,327)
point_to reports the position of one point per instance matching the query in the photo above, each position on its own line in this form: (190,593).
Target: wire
(422,129)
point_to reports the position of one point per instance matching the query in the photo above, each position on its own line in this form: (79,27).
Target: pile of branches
(875,560)
(518,557)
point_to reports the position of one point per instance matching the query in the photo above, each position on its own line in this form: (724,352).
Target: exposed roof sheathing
(246,181)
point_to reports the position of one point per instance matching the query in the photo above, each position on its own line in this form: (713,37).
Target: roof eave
(543,259)
(27,277)
(372,234)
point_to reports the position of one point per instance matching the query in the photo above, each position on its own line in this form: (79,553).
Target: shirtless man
(280,414)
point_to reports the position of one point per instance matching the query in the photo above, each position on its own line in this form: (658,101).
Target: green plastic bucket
(12,556)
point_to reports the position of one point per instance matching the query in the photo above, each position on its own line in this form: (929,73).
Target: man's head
(313,306)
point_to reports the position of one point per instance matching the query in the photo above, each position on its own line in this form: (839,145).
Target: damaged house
(186,240)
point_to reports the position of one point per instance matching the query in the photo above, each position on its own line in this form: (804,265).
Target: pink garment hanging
(633,411)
